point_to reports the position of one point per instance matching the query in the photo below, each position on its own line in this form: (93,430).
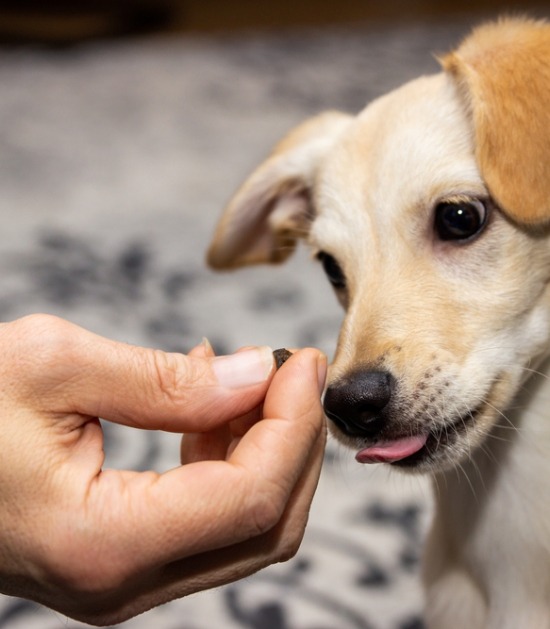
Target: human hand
(103,545)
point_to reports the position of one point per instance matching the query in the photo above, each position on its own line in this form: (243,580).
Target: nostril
(357,426)
(356,402)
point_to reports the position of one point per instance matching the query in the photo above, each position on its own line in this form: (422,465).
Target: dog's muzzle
(360,407)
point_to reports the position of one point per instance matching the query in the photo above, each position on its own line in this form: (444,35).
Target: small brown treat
(281,356)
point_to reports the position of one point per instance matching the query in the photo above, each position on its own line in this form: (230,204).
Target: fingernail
(244,368)
(321,371)
(208,349)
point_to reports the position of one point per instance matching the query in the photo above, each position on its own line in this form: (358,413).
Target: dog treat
(281,356)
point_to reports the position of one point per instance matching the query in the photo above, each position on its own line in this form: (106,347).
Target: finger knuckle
(92,588)
(268,507)
(286,538)
(45,332)
(167,374)
(94,573)
(290,545)
(39,340)
(173,375)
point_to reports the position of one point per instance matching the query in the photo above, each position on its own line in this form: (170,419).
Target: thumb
(80,372)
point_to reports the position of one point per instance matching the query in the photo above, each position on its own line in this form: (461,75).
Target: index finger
(61,368)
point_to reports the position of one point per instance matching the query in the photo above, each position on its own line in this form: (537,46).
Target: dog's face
(428,224)
(446,298)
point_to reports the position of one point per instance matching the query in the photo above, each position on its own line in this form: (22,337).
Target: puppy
(430,213)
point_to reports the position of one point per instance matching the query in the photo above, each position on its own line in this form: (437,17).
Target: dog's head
(429,213)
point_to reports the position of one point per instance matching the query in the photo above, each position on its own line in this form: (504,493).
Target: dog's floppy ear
(273,207)
(503,70)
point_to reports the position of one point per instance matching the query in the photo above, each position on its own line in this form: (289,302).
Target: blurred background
(63,21)
(124,129)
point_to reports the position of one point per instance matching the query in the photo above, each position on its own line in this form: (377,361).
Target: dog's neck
(489,540)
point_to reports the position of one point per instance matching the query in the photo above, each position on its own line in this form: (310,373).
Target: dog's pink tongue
(392,451)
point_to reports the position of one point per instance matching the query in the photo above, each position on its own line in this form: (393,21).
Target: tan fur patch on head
(503,69)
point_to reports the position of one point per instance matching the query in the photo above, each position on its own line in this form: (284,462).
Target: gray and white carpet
(115,161)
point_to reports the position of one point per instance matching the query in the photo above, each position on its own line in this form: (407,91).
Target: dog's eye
(332,269)
(459,220)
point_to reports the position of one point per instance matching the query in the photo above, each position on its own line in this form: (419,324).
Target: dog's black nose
(355,403)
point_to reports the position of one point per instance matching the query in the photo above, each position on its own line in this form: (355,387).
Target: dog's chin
(443,447)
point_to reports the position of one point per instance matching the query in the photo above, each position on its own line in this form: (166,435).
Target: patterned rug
(116,160)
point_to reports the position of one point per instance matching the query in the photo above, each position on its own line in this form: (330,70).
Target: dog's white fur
(464,327)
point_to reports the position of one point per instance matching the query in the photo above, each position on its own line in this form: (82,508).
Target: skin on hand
(103,545)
